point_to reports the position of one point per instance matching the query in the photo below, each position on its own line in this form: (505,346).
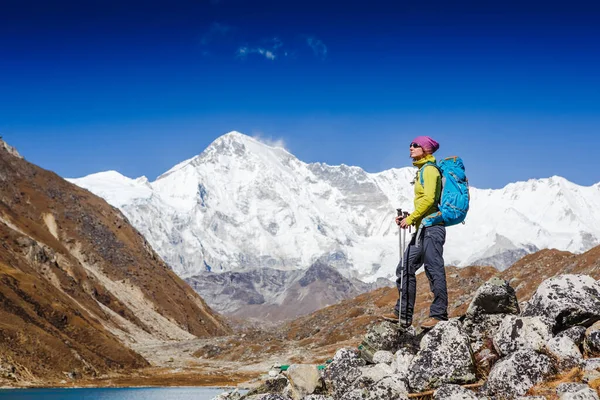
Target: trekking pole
(401,246)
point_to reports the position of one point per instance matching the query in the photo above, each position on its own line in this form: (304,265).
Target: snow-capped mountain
(242,204)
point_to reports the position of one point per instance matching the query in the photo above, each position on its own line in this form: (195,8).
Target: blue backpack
(454,201)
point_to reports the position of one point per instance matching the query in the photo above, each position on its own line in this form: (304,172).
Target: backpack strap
(423,168)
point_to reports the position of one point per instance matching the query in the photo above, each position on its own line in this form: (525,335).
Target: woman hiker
(428,247)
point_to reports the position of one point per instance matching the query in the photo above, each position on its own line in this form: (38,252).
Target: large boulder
(444,357)
(453,392)
(495,296)
(566,301)
(304,379)
(516,374)
(565,352)
(591,343)
(517,333)
(343,370)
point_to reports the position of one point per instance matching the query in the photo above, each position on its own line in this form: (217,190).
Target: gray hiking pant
(429,251)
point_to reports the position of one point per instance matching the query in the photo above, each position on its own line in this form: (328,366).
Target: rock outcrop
(515,352)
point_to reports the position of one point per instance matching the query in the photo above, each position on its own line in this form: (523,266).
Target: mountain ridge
(241,204)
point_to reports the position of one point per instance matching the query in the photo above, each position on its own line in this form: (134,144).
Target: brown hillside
(78,283)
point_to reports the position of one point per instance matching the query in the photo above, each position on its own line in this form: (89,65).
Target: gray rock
(565,301)
(591,370)
(591,343)
(575,333)
(530,398)
(481,328)
(453,392)
(565,351)
(233,395)
(317,397)
(516,374)
(389,388)
(402,361)
(517,333)
(576,391)
(277,384)
(304,379)
(570,387)
(386,336)
(371,374)
(267,396)
(445,357)
(495,296)
(383,356)
(356,394)
(343,371)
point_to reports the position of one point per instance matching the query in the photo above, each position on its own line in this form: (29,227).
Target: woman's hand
(402,222)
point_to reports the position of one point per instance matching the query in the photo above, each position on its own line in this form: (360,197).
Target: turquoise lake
(191,393)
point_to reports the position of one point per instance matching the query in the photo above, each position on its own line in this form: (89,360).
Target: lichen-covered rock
(482,327)
(575,333)
(565,351)
(445,357)
(386,336)
(232,395)
(402,360)
(383,357)
(356,394)
(304,379)
(317,397)
(267,396)
(518,333)
(389,388)
(565,301)
(371,374)
(516,374)
(383,336)
(591,343)
(576,391)
(453,392)
(343,371)
(495,296)
(276,384)
(591,370)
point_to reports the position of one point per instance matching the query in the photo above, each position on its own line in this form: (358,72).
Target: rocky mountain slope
(79,285)
(242,205)
(268,294)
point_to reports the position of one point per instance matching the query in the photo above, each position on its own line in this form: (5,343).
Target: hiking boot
(429,323)
(393,317)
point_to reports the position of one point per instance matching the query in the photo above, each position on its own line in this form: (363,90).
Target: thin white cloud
(245,51)
(317,46)
(269,141)
(216,30)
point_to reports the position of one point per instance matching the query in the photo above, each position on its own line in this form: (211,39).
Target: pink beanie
(428,144)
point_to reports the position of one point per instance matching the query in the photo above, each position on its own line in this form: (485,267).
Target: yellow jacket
(427,196)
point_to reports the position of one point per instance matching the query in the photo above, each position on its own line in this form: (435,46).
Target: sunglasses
(414,145)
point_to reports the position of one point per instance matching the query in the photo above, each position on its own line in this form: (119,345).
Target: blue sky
(512,87)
